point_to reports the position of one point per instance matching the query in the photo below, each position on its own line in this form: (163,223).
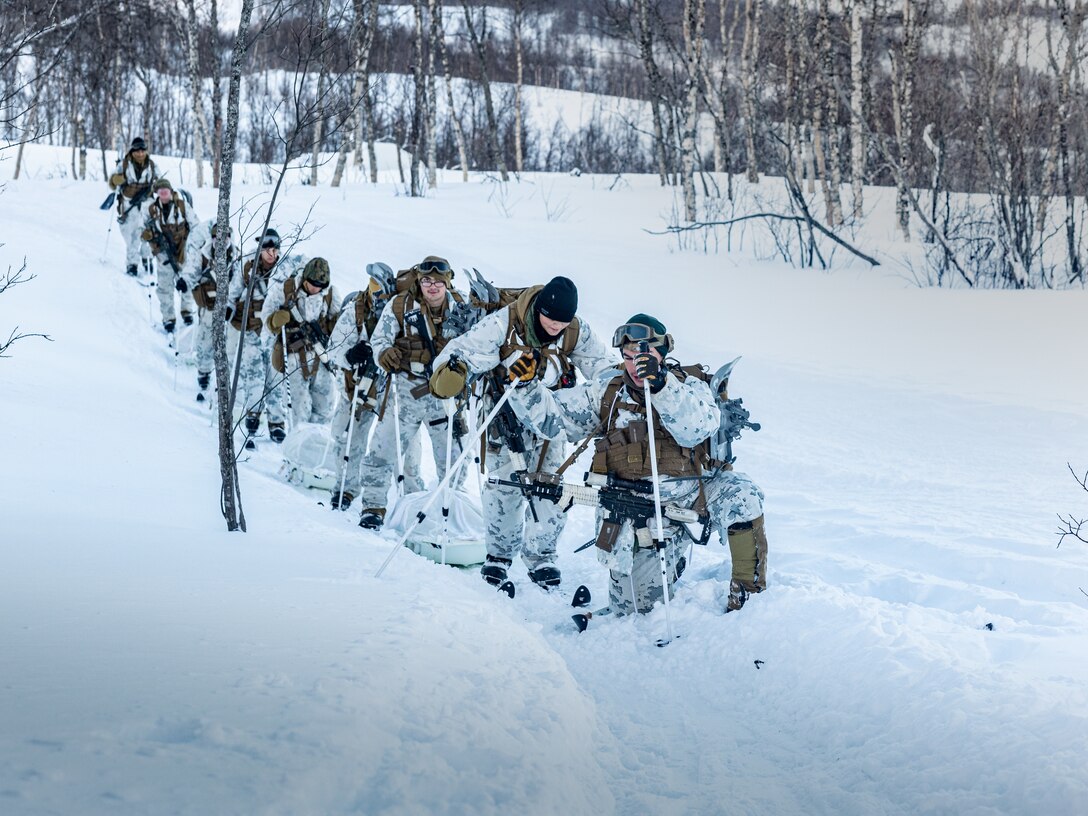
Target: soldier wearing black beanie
(558,302)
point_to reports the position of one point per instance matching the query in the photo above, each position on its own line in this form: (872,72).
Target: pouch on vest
(608,535)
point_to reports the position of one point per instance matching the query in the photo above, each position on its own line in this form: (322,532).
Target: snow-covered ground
(913,453)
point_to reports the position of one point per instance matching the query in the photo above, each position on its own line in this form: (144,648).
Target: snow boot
(251,445)
(546,575)
(276,432)
(372,518)
(341,501)
(748,551)
(494,569)
(253,423)
(132,271)
(149,266)
(202,380)
(168,326)
(187,318)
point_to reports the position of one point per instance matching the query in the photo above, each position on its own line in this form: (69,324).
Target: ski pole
(347,448)
(644,347)
(290,414)
(396,433)
(446,495)
(109,231)
(422,514)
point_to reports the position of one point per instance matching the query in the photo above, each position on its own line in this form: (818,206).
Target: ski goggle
(638,333)
(434,266)
(270,242)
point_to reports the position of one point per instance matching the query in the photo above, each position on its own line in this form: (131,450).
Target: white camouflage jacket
(388,328)
(479,349)
(198,255)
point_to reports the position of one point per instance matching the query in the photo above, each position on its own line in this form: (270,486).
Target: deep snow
(913,453)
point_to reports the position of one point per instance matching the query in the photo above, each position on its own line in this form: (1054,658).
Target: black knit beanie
(558,300)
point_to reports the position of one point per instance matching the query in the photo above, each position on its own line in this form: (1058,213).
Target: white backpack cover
(308,457)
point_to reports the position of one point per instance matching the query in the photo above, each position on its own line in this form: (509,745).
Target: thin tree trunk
(419,100)
(432,102)
(230,497)
(200,132)
(496,159)
(694,22)
(322,80)
(646,53)
(519,161)
(749,82)
(857,109)
(217,97)
(458,131)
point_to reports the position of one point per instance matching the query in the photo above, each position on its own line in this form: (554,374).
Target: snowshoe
(132,271)
(187,318)
(508,588)
(581,620)
(494,572)
(168,326)
(277,434)
(253,423)
(546,576)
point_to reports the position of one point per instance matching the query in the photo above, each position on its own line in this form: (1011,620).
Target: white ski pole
(422,514)
(660,542)
(446,495)
(347,447)
(396,433)
(289,413)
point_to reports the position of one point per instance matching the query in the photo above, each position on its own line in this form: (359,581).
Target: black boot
(341,501)
(187,318)
(253,423)
(494,570)
(168,326)
(132,271)
(546,576)
(276,432)
(372,518)
(202,380)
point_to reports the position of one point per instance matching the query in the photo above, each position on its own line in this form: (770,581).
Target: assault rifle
(733,419)
(311,333)
(417,321)
(135,201)
(622,500)
(166,244)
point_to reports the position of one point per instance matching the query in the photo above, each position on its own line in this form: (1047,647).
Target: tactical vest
(177,228)
(519,313)
(625,452)
(131,188)
(254,322)
(298,345)
(364,321)
(412,345)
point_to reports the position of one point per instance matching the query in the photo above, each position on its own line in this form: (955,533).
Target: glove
(524,368)
(390,359)
(116,180)
(360,355)
(146,235)
(181,285)
(278,319)
(449,378)
(649,369)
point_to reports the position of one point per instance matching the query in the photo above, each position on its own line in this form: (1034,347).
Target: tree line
(974,112)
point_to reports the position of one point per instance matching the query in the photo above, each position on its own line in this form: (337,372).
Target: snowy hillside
(922,648)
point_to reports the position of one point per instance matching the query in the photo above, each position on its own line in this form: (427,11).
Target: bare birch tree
(749,74)
(477,39)
(693,25)
(447,75)
(904,60)
(200,131)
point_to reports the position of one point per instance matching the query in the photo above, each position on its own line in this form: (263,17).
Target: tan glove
(524,368)
(278,319)
(391,358)
(146,235)
(449,378)
(116,180)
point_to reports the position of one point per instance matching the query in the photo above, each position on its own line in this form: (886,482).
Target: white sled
(308,457)
(463,531)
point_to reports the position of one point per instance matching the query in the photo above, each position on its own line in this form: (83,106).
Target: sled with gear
(309,458)
(456,539)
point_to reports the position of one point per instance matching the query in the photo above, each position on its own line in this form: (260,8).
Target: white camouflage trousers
(510,525)
(635,577)
(166,291)
(202,345)
(311,400)
(136,248)
(256,378)
(380,462)
(360,430)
